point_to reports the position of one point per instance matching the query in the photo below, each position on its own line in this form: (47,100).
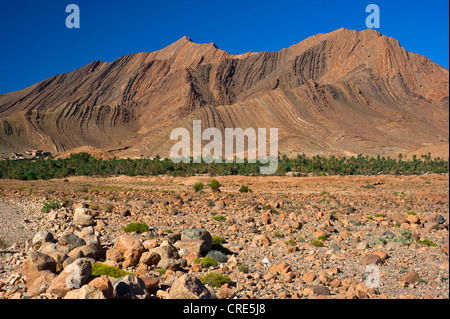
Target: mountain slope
(345,92)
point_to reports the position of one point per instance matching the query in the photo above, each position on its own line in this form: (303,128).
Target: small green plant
(290,242)
(245,189)
(108,208)
(94,206)
(168,231)
(214,279)
(215,185)
(99,269)
(277,234)
(161,271)
(243,268)
(218,240)
(427,242)
(136,227)
(322,238)
(48,206)
(219,218)
(207,262)
(198,187)
(411,213)
(317,243)
(380,215)
(369,217)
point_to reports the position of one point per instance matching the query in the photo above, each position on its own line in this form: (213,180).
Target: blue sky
(36,44)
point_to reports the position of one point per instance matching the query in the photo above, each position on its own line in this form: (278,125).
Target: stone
(225,293)
(37,261)
(130,287)
(392,245)
(200,234)
(410,277)
(72,241)
(149,258)
(370,259)
(87,251)
(413,219)
(189,287)
(103,284)
(166,250)
(319,289)
(362,245)
(127,242)
(131,258)
(217,255)
(309,277)
(79,272)
(41,237)
(399,218)
(260,240)
(193,246)
(282,268)
(114,255)
(39,284)
(445,248)
(383,255)
(150,283)
(169,263)
(85,292)
(84,220)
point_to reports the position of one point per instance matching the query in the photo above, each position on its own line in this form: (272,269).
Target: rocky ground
(309,237)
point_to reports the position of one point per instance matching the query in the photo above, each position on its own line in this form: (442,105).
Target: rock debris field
(383,237)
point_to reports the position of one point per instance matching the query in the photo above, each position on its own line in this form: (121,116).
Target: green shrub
(245,189)
(94,206)
(136,227)
(290,242)
(215,280)
(99,269)
(277,234)
(317,243)
(198,187)
(411,213)
(214,185)
(219,218)
(427,242)
(323,237)
(206,262)
(218,240)
(108,208)
(48,206)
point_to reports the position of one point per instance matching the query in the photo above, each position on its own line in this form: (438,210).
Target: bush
(136,227)
(99,269)
(218,240)
(323,237)
(108,208)
(206,262)
(198,187)
(245,189)
(317,243)
(48,206)
(215,280)
(219,218)
(214,185)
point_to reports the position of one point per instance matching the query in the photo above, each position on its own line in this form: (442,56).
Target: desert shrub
(206,262)
(317,243)
(214,185)
(99,269)
(277,234)
(219,218)
(136,227)
(215,280)
(218,240)
(94,206)
(427,242)
(322,238)
(198,187)
(48,206)
(108,208)
(245,189)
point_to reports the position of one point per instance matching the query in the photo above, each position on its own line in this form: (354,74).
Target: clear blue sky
(35,43)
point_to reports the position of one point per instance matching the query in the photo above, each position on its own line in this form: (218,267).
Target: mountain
(345,93)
